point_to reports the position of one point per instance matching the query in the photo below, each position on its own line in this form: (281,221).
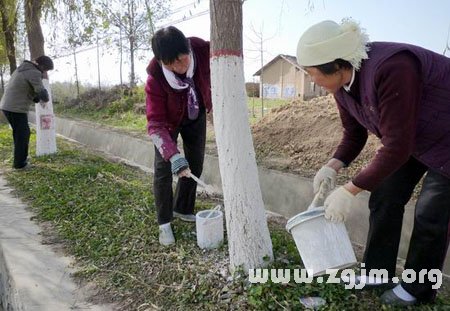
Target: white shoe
(184,217)
(166,235)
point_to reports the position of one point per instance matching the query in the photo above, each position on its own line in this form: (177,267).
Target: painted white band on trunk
(247,229)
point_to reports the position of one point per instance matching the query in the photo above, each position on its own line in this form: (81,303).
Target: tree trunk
(77,83)
(9,29)
(2,80)
(121,58)
(33,24)
(98,68)
(249,241)
(132,38)
(132,73)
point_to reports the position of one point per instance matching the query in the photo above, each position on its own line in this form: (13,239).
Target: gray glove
(179,163)
(339,205)
(324,173)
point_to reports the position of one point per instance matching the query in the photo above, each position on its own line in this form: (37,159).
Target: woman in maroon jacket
(178,93)
(401,94)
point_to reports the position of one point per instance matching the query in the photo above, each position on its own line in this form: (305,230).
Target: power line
(179,9)
(183,19)
(177,21)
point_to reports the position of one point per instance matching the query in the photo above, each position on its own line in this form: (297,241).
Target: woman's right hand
(328,171)
(325,172)
(180,166)
(185,173)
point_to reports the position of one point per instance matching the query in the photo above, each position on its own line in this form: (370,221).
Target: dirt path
(300,137)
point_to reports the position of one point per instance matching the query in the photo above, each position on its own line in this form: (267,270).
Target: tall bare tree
(134,20)
(260,43)
(8,15)
(33,13)
(249,241)
(2,77)
(3,62)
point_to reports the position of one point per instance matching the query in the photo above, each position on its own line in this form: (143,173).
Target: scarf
(186,83)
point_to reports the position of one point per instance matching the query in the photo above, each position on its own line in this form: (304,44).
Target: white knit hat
(327,41)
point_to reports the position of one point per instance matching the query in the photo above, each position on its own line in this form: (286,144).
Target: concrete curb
(33,276)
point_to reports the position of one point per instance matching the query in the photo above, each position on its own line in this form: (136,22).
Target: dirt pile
(301,136)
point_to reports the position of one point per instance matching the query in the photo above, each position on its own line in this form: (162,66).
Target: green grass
(109,107)
(126,120)
(105,216)
(121,115)
(103,213)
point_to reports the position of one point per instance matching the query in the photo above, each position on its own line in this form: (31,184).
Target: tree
(3,51)
(3,63)
(249,241)
(33,12)
(133,19)
(78,24)
(260,41)
(8,16)
(2,78)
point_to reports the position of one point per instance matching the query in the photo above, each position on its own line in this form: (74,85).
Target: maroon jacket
(402,95)
(167,107)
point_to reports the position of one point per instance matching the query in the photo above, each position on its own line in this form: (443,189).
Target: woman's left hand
(339,204)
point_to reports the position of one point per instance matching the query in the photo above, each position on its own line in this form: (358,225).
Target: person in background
(400,93)
(24,87)
(178,96)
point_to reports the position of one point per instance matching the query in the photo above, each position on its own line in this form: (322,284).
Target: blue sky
(420,22)
(281,22)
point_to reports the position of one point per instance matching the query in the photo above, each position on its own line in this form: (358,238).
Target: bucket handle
(217,208)
(319,198)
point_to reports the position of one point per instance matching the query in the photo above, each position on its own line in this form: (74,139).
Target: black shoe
(184,217)
(25,167)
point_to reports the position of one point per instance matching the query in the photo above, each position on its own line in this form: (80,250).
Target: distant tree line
(125,25)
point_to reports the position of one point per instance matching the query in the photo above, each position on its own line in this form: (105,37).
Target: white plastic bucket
(209,226)
(322,244)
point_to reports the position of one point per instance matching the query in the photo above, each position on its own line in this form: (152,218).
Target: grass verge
(128,119)
(103,214)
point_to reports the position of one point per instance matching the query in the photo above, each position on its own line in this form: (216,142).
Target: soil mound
(301,136)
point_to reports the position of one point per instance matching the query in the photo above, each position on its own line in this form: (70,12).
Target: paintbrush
(201,183)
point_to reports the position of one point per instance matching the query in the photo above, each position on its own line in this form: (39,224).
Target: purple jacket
(167,107)
(429,127)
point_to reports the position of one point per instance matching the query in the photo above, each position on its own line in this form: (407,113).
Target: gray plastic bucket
(322,244)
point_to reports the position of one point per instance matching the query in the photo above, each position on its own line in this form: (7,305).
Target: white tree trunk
(45,125)
(248,234)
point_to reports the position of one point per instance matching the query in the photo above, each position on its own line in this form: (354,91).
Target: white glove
(325,172)
(339,204)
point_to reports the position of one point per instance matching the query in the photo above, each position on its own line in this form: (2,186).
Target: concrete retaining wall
(8,290)
(33,275)
(283,193)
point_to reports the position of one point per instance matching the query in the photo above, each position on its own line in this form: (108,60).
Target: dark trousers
(430,236)
(21,136)
(193,134)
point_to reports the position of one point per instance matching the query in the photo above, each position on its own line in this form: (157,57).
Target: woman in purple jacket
(178,93)
(400,93)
